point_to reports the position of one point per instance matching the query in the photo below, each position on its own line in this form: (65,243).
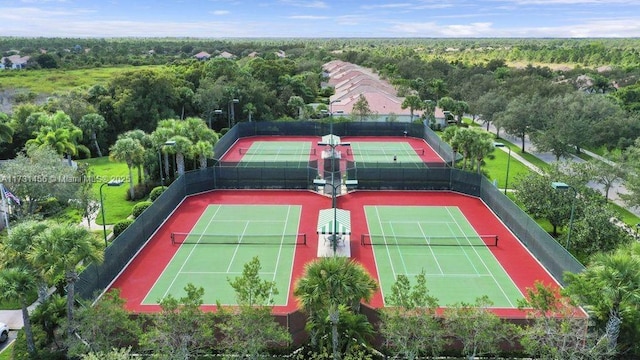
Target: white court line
(421,221)
(485,265)
(218,272)
(404,265)
(386,245)
(464,251)
(435,258)
(186,260)
(284,231)
(244,231)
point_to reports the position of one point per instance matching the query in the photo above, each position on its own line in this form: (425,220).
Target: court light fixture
(562,187)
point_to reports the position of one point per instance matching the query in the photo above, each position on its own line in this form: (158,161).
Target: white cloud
(386,6)
(306,4)
(308,17)
(220,12)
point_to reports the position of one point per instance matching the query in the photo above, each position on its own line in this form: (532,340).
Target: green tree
(409,322)
(329,283)
(522,116)
(19,283)
(251,330)
(130,151)
(413,102)
(478,329)
(609,289)
(557,329)
(103,326)
(6,131)
(39,175)
(91,124)
(361,109)
(607,172)
(181,330)
(250,289)
(63,252)
(296,102)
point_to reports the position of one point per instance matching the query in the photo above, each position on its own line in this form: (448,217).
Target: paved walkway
(615,190)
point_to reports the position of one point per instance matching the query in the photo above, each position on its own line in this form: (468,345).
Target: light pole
(104,224)
(563,186)
(506,179)
(215,113)
(231,109)
(334,201)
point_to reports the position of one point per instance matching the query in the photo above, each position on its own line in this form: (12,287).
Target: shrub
(156,192)
(120,226)
(140,191)
(50,206)
(139,208)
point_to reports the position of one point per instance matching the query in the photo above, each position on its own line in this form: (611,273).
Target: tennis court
(224,238)
(438,240)
(386,153)
(284,152)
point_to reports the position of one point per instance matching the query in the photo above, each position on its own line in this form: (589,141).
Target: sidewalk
(549,158)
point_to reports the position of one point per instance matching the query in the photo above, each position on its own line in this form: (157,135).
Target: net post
(362,237)
(496,240)
(173,240)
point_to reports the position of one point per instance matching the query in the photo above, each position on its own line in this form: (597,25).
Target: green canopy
(326,224)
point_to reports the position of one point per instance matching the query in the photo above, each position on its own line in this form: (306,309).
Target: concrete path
(614,192)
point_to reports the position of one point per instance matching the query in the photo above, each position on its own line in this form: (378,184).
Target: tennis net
(178,238)
(383,152)
(386,240)
(276,151)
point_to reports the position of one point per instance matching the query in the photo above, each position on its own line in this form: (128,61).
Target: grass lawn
(50,81)
(496,168)
(114,198)
(6,354)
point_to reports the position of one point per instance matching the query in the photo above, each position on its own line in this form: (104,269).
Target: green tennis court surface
(461,271)
(285,152)
(391,153)
(225,238)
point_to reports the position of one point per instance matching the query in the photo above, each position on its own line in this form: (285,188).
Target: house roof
(350,81)
(202,55)
(226,55)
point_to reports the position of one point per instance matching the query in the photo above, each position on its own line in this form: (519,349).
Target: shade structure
(326,224)
(331,140)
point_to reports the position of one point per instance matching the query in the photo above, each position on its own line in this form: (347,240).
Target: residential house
(203,55)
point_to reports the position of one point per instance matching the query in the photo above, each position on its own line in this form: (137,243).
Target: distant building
(350,81)
(203,55)
(226,55)
(15,62)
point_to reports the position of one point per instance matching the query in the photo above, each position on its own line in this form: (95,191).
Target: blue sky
(320,18)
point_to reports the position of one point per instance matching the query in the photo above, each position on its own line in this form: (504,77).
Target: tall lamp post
(334,201)
(563,186)
(231,109)
(506,179)
(104,224)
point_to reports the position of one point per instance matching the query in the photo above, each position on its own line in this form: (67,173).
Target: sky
(320,18)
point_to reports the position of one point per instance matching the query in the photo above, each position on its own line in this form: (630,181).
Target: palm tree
(16,246)
(439,88)
(6,131)
(330,283)
(130,151)
(144,140)
(203,150)
(249,109)
(64,251)
(413,102)
(298,103)
(19,283)
(619,273)
(183,146)
(91,124)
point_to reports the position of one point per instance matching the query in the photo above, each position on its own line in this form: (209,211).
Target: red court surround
(145,268)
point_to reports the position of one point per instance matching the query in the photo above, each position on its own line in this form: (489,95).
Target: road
(616,189)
